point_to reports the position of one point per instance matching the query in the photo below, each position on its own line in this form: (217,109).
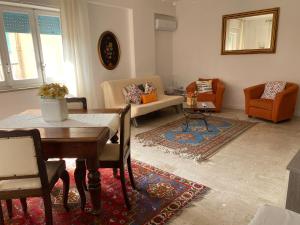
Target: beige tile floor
(246,173)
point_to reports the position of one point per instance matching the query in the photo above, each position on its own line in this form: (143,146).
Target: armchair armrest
(191,87)
(219,95)
(253,92)
(285,103)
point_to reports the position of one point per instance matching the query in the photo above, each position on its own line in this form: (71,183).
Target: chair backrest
(125,130)
(21,155)
(77,103)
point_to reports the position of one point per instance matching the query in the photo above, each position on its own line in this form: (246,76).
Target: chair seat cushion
(54,169)
(206,97)
(20,184)
(270,215)
(111,152)
(266,104)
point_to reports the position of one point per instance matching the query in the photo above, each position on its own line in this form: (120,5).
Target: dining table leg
(94,185)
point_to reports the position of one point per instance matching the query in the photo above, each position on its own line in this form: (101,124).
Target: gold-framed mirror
(251,32)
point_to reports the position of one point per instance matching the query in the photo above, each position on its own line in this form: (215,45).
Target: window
(31,50)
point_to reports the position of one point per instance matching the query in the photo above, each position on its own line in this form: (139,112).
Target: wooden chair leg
(123,182)
(115,172)
(79,175)
(131,177)
(48,209)
(9,208)
(24,205)
(66,186)
(1,215)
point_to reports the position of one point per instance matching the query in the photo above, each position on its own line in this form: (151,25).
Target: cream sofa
(114,98)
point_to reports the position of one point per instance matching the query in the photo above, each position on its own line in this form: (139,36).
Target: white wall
(197,46)
(164,56)
(143,29)
(18,101)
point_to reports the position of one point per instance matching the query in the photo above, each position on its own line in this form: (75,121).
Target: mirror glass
(249,33)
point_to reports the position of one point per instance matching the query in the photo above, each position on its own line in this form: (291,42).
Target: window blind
(49,25)
(16,22)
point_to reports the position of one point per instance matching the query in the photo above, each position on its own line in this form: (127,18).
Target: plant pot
(54,110)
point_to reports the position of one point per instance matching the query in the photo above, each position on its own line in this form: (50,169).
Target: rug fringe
(190,204)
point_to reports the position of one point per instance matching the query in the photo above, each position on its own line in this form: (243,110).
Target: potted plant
(53,102)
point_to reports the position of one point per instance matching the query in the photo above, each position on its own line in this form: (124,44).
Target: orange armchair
(216,97)
(279,109)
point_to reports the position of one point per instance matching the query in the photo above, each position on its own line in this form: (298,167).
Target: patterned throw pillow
(204,86)
(149,87)
(272,89)
(132,94)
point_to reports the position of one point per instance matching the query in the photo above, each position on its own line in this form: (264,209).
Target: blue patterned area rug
(195,142)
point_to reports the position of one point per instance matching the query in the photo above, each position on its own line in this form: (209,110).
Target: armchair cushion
(272,89)
(206,97)
(204,86)
(262,103)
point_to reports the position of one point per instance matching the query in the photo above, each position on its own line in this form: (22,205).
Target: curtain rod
(28,6)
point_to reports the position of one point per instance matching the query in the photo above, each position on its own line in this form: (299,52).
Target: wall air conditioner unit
(165,23)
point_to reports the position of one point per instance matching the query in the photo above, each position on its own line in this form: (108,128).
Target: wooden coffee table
(200,111)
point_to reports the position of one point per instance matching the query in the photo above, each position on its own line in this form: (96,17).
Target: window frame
(9,84)
(37,13)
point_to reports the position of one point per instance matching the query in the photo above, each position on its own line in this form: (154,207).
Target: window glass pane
(52,48)
(20,45)
(1,71)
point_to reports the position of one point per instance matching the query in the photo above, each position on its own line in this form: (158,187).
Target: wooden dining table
(84,143)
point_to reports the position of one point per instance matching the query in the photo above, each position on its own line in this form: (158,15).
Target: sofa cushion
(272,89)
(204,86)
(151,97)
(149,87)
(162,102)
(206,97)
(266,104)
(132,94)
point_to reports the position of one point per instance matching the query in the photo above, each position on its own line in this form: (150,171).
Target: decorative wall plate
(109,50)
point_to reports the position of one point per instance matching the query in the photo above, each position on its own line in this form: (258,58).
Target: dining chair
(80,177)
(77,103)
(117,155)
(24,173)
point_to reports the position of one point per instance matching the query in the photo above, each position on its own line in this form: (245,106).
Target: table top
(199,106)
(72,134)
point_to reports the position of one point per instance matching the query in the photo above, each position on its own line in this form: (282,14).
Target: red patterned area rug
(159,198)
(195,142)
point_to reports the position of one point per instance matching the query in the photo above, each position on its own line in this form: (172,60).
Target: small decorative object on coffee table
(53,102)
(191,98)
(200,110)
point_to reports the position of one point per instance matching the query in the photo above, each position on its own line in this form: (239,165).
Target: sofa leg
(177,108)
(134,122)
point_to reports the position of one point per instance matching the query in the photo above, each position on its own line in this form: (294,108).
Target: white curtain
(77,50)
